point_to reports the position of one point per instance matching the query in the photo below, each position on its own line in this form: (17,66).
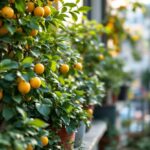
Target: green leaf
(43,109)
(11,29)
(4,142)
(39,2)
(43,83)
(53,66)
(37,123)
(84,9)
(69,109)
(70,4)
(18,145)
(27,60)
(22,112)
(77,1)
(20,6)
(62,16)
(61,80)
(79,92)
(66,120)
(8,64)
(58,93)
(8,112)
(9,77)
(17,99)
(64,9)
(74,16)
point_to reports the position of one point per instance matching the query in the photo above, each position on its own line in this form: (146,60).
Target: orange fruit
(35,82)
(64,68)
(47,11)
(1,94)
(34,32)
(7,12)
(3,30)
(101,57)
(30,6)
(89,112)
(44,140)
(24,87)
(39,68)
(39,11)
(29,147)
(78,66)
(12,1)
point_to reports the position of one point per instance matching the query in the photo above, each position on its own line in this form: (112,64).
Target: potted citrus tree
(85,39)
(36,91)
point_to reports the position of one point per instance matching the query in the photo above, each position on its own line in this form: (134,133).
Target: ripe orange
(24,87)
(35,82)
(89,112)
(47,11)
(34,32)
(1,94)
(39,11)
(110,25)
(64,68)
(3,30)
(44,140)
(78,66)
(101,57)
(7,12)
(29,147)
(39,68)
(30,6)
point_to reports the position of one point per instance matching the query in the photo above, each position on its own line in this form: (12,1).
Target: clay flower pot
(67,139)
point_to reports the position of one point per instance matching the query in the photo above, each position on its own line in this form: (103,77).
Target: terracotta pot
(67,139)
